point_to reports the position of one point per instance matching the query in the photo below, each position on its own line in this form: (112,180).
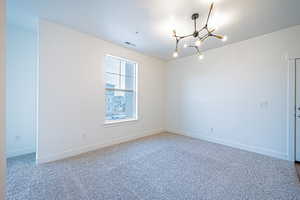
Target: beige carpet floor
(164,166)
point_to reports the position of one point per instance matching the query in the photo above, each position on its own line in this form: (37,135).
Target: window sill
(109,123)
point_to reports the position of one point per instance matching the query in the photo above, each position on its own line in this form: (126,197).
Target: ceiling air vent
(130,44)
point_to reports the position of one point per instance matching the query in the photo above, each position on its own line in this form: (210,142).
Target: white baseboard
(19,152)
(264,151)
(74,152)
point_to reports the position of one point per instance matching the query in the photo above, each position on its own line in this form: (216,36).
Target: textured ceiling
(148,23)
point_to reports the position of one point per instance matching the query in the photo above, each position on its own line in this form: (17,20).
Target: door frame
(291,105)
(2,100)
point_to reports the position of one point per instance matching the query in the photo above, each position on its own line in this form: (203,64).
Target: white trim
(135,90)
(73,152)
(233,144)
(37,84)
(109,123)
(121,58)
(291,108)
(19,152)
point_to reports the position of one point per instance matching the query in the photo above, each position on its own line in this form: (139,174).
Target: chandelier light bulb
(198,43)
(201,56)
(225,38)
(185,46)
(175,54)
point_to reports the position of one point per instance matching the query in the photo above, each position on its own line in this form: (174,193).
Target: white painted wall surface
(21,90)
(2,99)
(237,95)
(71,94)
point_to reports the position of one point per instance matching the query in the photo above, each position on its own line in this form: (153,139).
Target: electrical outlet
(211,130)
(264,104)
(286,56)
(83,135)
(18,138)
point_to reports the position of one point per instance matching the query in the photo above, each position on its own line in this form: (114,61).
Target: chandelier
(200,35)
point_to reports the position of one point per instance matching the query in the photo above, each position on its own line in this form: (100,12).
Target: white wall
(237,95)
(21,65)
(2,99)
(71,93)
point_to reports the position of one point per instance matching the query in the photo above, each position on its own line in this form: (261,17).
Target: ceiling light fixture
(196,34)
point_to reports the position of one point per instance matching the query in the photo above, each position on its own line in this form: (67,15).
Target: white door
(298,110)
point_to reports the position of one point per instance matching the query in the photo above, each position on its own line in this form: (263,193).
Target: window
(120,89)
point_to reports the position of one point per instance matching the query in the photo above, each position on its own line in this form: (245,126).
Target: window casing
(120,89)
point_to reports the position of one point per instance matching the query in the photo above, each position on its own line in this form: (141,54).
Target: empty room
(150,99)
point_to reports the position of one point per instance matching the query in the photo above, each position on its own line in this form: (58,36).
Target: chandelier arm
(203,28)
(181,37)
(211,31)
(197,49)
(177,41)
(217,36)
(209,14)
(185,36)
(205,37)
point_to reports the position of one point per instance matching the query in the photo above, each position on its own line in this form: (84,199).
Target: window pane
(112,81)
(120,105)
(120,75)
(112,65)
(127,68)
(127,82)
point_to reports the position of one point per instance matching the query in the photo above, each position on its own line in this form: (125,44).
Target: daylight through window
(120,76)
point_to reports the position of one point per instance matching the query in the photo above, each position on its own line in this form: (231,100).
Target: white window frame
(135,90)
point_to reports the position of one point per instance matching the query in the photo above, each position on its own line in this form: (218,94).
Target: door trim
(291,104)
